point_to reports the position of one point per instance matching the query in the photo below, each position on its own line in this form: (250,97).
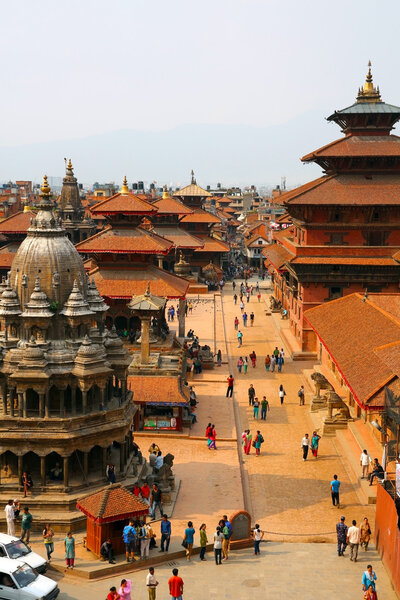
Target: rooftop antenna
(365,295)
(283,183)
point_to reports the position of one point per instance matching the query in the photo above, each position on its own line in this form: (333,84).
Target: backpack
(300,393)
(261,439)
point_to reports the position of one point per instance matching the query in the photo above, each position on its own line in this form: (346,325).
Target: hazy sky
(75,68)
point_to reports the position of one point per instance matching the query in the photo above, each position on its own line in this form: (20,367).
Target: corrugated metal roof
(366,108)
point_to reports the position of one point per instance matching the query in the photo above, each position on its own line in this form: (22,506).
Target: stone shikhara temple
(65,407)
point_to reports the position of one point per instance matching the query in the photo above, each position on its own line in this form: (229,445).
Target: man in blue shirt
(369,578)
(335,485)
(165,533)
(129,535)
(341,532)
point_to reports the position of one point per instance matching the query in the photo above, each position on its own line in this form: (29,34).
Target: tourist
(219,358)
(279,361)
(125,589)
(305,445)
(159,462)
(16,507)
(251,393)
(245,365)
(365,534)
(229,390)
(251,319)
(110,473)
(276,352)
(203,541)
(225,541)
(113,594)
(189,539)
(247,441)
(151,583)
(10,516)
(258,535)
(156,500)
(253,358)
(272,363)
(130,536)
(69,547)
(353,539)
(190,307)
(107,551)
(136,490)
(175,584)
(228,524)
(335,485)
(145,537)
(264,408)
(256,406)
(300,394)
(257,287)
(315,443)
(282,355)
(208,434)
(48,538)
(235,298)
(145,493)
(241,305)
(27,483)
(258,440)
(218,541)
(282,394)
(341,533)
(377,471)
(365,461)
(259,296)
(239,338)
(370,594)
(267,362)
(153,448)
(197,366)
(368,579)
(233,285)
(244,317)
(26,525)
(240,364)
(213,437)
(248,297)
(236,323)
(165,533)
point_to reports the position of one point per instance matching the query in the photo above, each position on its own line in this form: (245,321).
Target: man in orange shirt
(175,585)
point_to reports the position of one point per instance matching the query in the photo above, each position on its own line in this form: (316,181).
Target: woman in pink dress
(125,589)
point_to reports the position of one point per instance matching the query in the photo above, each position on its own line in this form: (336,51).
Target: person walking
(305,445)
(229,390)
(48,538)
(267,362)
(335,485)
(235,298)
(203,541)
(365,461)
(251,319)
(218,540)
(365,534)
(258,440)
(279,361)
(251,393)
(110,473)
(253,358)
(151,584)
(26,483)
(145,536)
(244,317)
(219,358)
(165,533)
(240,364)
(247,441)
(341,533)
(256,406)
(300,394)
(189,539)
(259,296)
(156,501)
(368,579)
(282,394)
(264,408)
(213,438)
(239,338)
(236,322)
(69,547)
(125,589)
(225,541)
(113,594)
(315,443)
(129,537)
(26,525)
(272,363)
(241,305)
(10,517)
(245,365)
(353,539)
(258,535)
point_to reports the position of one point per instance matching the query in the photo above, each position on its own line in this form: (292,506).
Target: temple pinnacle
(45,189)
(124,187)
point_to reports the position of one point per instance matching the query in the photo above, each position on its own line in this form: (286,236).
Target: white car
(18,581)
(12,547)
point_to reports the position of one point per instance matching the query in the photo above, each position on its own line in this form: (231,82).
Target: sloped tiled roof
(277,255)
(17,223)
(212,245)
(7,254)
(345,260)
(358,145)
(171,206)
(193,190)
(200,216)
(178,236)
(125,240)
(112,503)
(158,390)
(127,204)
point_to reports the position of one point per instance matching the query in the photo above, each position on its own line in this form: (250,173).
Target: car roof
(10,564)
(6,539)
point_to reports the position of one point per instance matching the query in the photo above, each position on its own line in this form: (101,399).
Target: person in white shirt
(305,445)
(353,539)
(365,461)
(218,539)
(151,583)
(258,535)
(10,516)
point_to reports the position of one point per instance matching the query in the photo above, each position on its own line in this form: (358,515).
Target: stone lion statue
(335,401)
(321,383)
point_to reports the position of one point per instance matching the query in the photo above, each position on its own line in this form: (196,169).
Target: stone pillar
(160,262)
(84,402)
(43,471)
(66,471)
(24,413)
(104,460)
(20,403)
(123,389)
(103,401)
(85,464)
(19,468)
(145,340)
(12,392)
(62,403)
(73,400)
(47,405)
(182,317)
(4,397)
(41,405)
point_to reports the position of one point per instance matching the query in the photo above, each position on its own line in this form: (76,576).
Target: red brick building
(345,236)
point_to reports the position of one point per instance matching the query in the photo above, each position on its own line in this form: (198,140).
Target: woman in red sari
(253,358)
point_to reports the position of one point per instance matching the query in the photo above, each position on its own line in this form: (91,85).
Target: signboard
(160,423)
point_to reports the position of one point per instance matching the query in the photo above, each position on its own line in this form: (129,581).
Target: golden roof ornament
(368,93)
(69,171)
(165,192)
(45,189)
(124,186)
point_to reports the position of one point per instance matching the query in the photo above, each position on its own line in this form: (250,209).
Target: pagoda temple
(345,236)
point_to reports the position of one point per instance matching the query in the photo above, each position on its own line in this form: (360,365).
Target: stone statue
(335,401)
(24,280)
(56,279)
(321,383)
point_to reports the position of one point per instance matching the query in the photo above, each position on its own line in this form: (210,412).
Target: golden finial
(124,187)
(165,192)
(368,93)
(45,189)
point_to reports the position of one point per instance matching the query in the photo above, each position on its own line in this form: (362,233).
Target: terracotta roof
(390,303)
(127,204)
(283,219)
(171,206)
(351,329)
(112,503)
(277,255)
(178,236)
(7,254)
(348,189)
(224,200)
(193,190)
(384,261)
(255,238)
(354,145)
(283,234)
(200,216)
(17,223)
(124,240)
(212,244)
(149,389)
(125,283)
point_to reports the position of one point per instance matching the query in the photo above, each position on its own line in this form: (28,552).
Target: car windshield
(24,575)
(17,549)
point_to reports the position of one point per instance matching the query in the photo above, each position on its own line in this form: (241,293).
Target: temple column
(84,402)
(73,400)
(47,405)
(160,262)
(85,464)
(4,397)
(62,403)
(19,469)
(66,471)
(103,401)
(24,411)
(43,471)
(145,340)
(20,403)
(182,317)
(41,405)
(12,392)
